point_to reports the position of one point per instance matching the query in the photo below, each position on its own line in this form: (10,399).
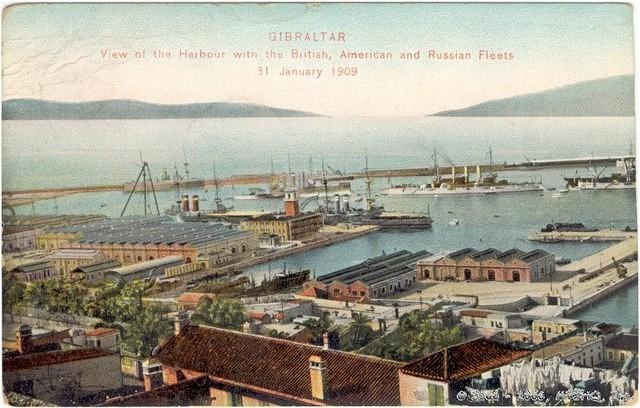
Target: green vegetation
(56,296)
(358,334)
(317,328)
(222,313)
(415,337)
(12,292)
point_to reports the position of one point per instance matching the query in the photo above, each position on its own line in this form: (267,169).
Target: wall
(414,390)
(82,377)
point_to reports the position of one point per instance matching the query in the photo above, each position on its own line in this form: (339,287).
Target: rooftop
(464,360)
(489,253)
(280,368)
(75,254)
(149,230)
(97,266)
(561,347)
(146,265)
(32,266)
(48,221)
(624,341)
(376,269)
(101,331)
(27,361)
(184,393)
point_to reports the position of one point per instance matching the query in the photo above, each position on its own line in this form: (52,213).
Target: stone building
(375,277)
(66,260)
(469,264)
(34,271)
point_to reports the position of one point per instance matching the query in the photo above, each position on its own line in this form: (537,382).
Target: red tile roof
(314,292)
(101,331)
(280,368)
(184,393)
(27,361)
(464,360)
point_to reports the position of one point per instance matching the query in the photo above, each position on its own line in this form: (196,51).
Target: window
(436,395)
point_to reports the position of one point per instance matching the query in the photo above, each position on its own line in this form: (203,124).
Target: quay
(329,235)
(578,236)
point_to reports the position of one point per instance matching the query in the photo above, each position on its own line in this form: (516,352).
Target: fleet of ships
(336,199)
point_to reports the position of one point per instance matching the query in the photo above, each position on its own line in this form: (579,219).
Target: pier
(578,236)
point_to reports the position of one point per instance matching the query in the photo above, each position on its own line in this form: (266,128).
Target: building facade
(287,228)
(34,271)
(469,264)
(66,260)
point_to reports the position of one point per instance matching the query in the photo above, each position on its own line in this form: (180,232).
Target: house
(103,338)
(548,328)
(247,369)
(66,260)
(469,264)
(621,347)
(437,378)
(491,319)
(34,271)
(190,300)
(581,350)
(38,368)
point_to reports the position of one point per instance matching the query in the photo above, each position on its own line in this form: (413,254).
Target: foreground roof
(280,368)
(27,361)
(464,360)
(180,394)
(624,341)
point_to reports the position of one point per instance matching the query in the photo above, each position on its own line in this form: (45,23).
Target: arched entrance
(467,274)
(516,276)
(491,275)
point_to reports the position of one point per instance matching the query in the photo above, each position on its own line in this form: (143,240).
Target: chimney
(325,341)
(184,206)
(318,371)
(23,339)
(195,203)
(181,321)
(152,375)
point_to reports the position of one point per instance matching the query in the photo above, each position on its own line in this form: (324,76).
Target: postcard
(371,204)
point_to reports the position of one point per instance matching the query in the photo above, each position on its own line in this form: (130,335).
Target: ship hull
(421,190)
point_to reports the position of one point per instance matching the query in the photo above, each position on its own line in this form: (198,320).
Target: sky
(55,52)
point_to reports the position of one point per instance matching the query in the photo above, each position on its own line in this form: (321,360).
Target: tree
(277,334)
(147,330)
(358,333)
(12,292)
(222,313)
(317,328)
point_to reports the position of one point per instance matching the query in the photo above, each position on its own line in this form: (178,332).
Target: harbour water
(65,153)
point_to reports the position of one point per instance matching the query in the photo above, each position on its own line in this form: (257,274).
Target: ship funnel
(345,203)
(478,173)
(184,205)
(336,200)
(453,174)
(195,203)
(466,174)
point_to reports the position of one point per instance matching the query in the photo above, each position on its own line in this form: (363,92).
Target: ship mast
(435,165)
(326,189)
(490,162)
(186,164)
(368,182)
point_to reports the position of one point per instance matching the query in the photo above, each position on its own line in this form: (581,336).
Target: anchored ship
(624,178)
(166,182)
(484,183)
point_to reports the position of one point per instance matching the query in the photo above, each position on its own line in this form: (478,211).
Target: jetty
(582,236)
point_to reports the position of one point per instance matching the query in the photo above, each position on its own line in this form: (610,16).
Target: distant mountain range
(611,96)
(34,109)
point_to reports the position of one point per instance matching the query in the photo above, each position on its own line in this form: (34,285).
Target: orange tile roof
(474,313)
(100,331)
(464,360)
(27,361)
(280,368)
(193,297)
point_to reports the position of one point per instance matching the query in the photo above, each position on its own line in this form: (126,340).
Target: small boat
(454,222)
(557,195)
(102,205)
(450,212)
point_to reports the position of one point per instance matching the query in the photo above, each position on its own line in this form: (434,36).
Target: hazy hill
(33,109)
(611,96)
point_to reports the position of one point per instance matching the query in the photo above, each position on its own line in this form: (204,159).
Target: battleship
(372,214)
(624,178)
(484,184)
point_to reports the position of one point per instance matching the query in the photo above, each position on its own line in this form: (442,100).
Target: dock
(625,250)
(579,236)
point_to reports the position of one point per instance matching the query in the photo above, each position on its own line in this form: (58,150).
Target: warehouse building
(66,260)
(131,240)
(290,226)
(376,277)
(469,264)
